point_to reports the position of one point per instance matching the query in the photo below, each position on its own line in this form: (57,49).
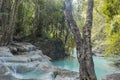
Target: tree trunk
(38,29)
(83,42)
(0,15)
(8,11)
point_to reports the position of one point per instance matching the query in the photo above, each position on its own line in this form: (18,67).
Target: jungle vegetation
(76,22)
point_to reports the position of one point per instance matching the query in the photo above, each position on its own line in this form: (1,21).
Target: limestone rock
(62,74)
(22,61)
(18,48)
(54,48)
(5,52)
(114,76)
(3,70)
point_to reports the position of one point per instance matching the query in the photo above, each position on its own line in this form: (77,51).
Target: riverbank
(24,61)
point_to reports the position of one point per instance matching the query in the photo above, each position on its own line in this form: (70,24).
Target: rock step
(30,64)
(27,57)
(21,59)
(5,52)
(24,58)
(17,48)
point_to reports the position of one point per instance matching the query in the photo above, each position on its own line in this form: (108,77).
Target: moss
(52,47)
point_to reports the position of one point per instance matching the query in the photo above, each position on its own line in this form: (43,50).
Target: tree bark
(83,42)
(8,11)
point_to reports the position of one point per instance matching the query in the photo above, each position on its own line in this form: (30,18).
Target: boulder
(13,50)
(54,48)
(45,66)
(62,74)
(59,73)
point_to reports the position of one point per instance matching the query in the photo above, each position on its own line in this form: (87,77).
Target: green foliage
(98,35)
(51,22)
(50,18)
(79,12)
(106,26)
(25,16)
(113,33)
(43,19)
(111,8)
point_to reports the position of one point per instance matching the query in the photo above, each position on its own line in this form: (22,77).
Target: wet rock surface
(5,52)
(114,76)
(23,61)
(62,74)
(97,53)
(21,48)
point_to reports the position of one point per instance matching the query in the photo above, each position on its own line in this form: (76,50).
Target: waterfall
(13,67)
(73,53)
(2,60)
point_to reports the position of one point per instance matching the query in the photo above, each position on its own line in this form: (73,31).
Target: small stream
(103,65)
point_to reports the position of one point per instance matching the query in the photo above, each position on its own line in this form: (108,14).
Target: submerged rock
(114,76)
(62,74)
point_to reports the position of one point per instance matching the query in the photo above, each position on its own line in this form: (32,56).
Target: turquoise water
(103,66)
(30,75)
(33,74)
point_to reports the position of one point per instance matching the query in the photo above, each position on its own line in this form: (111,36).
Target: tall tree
(83,41)
(8,15)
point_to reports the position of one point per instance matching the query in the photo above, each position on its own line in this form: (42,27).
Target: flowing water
(103,65)
(33,74)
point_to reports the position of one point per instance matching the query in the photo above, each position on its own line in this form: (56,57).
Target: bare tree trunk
(8,11)
(5,15)
(89,65)
(83,42)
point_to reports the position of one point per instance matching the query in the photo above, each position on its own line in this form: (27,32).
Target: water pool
(102,65)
